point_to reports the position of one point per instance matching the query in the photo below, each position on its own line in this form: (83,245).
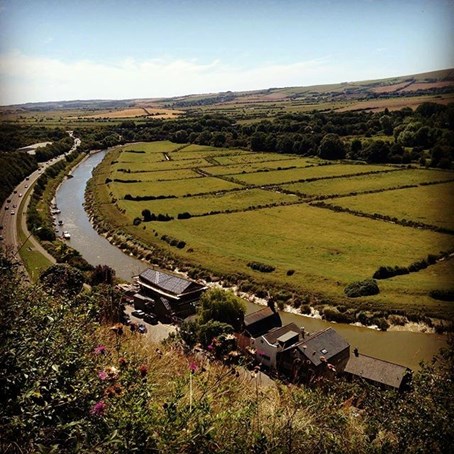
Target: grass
(371,183)
(327,250)
(202,204)
(33,260)
(428,204)
(284,176)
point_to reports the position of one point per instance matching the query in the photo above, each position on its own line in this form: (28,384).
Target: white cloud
(30,79)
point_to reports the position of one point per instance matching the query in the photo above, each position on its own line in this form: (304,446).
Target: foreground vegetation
(69,382)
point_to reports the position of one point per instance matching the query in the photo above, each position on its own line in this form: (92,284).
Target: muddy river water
(403,347)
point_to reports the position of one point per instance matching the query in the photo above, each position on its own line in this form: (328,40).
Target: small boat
(66,235)
(56,211)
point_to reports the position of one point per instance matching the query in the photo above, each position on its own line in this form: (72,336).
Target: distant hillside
(392,93)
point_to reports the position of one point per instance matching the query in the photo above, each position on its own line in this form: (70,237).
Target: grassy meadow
(232,224)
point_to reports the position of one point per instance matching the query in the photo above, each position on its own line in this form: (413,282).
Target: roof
(376,370)
(261,321)
(169,282)
(324,344)
(282,334)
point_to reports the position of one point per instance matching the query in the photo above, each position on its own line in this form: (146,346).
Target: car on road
(27,178)
(13,212)
(138,313)
(150,318)
(26,186)
(20,194)
(7,208)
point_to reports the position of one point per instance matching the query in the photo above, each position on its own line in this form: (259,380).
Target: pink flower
(99,408)
(210,347)
(193,367)
(143,369)
(103,375)
(100,350)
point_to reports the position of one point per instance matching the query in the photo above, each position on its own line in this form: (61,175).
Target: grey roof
(277,334)
(376,370)
(261,321)
(169,282)
(326,343)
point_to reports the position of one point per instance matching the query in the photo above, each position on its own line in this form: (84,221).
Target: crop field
(428,204)
(385,180)
(229,225)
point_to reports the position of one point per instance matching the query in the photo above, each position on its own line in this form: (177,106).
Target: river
(403,347)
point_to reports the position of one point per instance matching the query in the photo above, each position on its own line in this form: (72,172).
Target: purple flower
(100,350)
(103,375)
(210,347)
(193,367)
(99,408)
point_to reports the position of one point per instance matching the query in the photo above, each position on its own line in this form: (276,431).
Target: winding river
(403,347)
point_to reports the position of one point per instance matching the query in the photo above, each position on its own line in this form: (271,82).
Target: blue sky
(115,49)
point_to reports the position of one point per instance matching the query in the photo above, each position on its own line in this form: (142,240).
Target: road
(18,202)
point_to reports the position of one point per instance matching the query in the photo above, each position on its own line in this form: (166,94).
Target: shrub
(442,295)
(137,221)
(362,288)
(290,272)
(262,267)
(184,215)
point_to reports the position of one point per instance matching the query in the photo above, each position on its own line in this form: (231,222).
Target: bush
(137,221)
(262,267)
(442,295)
(362,288)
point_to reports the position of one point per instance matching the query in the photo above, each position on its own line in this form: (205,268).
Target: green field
(326,250)
(385,180)
(428,204)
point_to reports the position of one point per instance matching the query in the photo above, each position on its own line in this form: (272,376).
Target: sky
(53,50)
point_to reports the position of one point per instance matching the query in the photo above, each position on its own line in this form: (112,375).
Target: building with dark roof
(321,354)
(270,344)
(171,295)
(377,371)
(257,324)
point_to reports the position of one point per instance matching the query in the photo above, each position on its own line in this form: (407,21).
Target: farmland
(243,207)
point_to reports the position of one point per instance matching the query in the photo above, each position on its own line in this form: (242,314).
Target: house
(171,295)
(268,345)
(257,324)
(383,373)
(321,354)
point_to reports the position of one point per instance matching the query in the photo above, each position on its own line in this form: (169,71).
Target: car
(20,194)
(13,213)
(7,208)
(138,313)
(26,186)
(150,318)
(27,178)
(8,201)
(14,206)
(15,192)
(1,237)
(142,328)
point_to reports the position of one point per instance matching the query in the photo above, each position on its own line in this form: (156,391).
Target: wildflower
(112,372)
(103,375)
(100,350)
(143,369)
(210,347)
(193,367)
(122,362)
(99,408)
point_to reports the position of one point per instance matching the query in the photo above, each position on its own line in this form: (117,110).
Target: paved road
(18,202)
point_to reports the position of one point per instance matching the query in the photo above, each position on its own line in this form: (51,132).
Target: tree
(102,274)
(331,147)
(146,215)
(222,306)
(62,279)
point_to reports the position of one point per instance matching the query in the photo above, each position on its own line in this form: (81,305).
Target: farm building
(167,295)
